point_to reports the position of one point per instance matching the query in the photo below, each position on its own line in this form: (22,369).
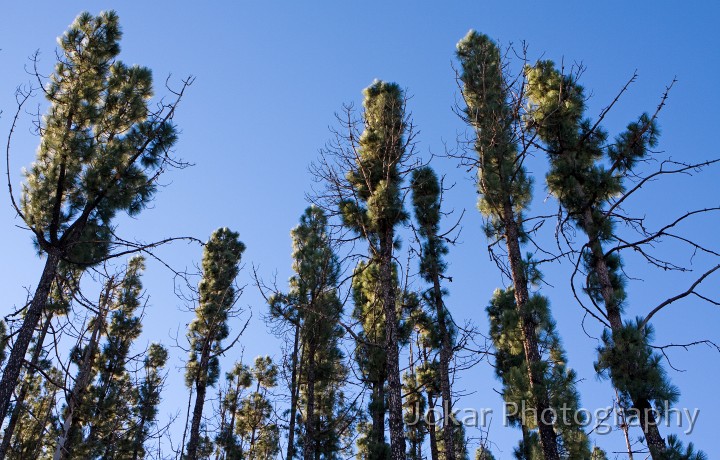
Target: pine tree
(371,358)
(505,191)
(598,454)
(578,151)
(510,366)
(145,413)
(99,411)
(375,211)
(259,435)
(313,309)
(217,296)
(238,380)
(482,453)
(84,357)
(112,397)
(426,202)
(100,152)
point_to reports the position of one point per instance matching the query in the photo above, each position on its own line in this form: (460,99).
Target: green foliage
(238,380)
(146,411)
(676,451)
(460,443)
(258,434)
(206,332)
(598,454)
(100,145)
(376,179)
(627,357)
(38,425)
(502,179)
(313,306)
(558,380)
(371,357)
(529,448)
(482,453)
(426,204)
(109,408)
(586,173)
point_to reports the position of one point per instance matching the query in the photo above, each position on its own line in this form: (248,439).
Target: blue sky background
(270,76)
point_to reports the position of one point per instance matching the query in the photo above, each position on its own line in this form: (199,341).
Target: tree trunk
(294,387)
(11,373)
(548,438)
(445,356)
(20,400)
(201,390)
(63,448)
(378,413)
(648,423)
(397,430)
(310,423)
(434,454)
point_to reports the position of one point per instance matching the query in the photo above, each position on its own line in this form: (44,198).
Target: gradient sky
(271,75)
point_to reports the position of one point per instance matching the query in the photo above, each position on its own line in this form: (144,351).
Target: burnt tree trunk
(548,438)
(397,429)
(13,366)
(22,394)
(646,418)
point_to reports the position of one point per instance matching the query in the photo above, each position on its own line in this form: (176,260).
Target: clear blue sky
(270,75)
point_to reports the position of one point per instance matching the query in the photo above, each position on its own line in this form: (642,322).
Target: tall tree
(84,356)
(313,309)
(101,151)
(113,396)
(145,413)
(217,296)
(99,410)
(258,433)
(426,202)
(373,210)
(238,380)
(505,194)
(587,175)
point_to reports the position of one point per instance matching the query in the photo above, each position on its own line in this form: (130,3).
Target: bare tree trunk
(13,366)
(20,400)
(397,430)
(548,438)
(63,448)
